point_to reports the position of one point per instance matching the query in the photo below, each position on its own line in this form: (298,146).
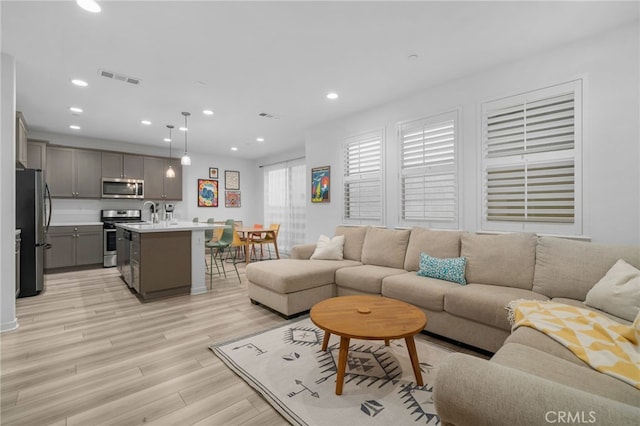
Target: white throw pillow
(329,248)
(618,292)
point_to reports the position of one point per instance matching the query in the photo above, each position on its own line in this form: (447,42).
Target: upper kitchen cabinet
(21,141)
(73,173)
(37,154)
(117,165)
(156,185)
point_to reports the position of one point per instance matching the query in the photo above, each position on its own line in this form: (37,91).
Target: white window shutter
(531,161)
(428,167)
(362,179)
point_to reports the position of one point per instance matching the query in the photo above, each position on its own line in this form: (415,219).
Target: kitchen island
(163,259)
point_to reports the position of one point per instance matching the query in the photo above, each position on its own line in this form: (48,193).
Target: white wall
(609,64)
(8,320)
(66,211)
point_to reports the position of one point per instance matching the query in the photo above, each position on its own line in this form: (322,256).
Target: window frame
(378,133)
(574,229)
(430,120)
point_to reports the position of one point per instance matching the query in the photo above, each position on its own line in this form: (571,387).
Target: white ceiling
(243,58)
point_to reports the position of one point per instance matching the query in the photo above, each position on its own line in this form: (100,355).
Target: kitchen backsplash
(70,211)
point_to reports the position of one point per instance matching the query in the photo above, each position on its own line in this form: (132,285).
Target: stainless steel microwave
(122,188)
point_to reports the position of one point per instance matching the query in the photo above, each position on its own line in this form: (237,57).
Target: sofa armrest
(474,391)
(302,251)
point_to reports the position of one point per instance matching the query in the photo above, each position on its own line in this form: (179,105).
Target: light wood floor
(89,352)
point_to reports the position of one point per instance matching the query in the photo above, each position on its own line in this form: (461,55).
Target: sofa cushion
(580,304)
(485,303)
(424,292)
(550,367)
(450,269)
(569,269)
(365,278)
(442,244)
(329,248)
(505,260)
(353,240)
(385,247)
(618,292)
(291,275)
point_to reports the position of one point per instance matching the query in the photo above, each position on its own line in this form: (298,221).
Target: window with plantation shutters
(428,171)
(531,146)
(362,179)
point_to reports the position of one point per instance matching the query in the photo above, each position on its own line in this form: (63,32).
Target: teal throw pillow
(444,269)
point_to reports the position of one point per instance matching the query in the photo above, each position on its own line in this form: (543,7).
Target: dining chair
(268,239)
(209,239)
(222,246)
(256,236)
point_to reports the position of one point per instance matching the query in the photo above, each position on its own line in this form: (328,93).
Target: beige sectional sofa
(530,375)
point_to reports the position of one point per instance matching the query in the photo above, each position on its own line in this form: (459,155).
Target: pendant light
(170,173)
(185,160)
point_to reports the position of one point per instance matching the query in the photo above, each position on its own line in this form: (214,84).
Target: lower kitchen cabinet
(74,246)
(161,263)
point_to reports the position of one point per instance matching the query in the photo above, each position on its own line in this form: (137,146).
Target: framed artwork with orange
(320,184)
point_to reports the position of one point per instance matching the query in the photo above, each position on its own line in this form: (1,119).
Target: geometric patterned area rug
(288,367)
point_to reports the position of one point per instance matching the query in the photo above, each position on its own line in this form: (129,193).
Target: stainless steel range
(109,219)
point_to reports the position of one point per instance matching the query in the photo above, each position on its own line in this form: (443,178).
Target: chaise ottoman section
(291,286)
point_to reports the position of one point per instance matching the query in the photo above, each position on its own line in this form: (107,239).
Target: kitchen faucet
(154,213)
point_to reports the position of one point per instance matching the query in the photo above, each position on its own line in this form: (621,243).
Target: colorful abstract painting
(207,193)
(232,199)
(320,184)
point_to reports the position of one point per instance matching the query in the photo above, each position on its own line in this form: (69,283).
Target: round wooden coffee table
(368,318)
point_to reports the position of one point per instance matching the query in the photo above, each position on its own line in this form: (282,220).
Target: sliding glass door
(285,201)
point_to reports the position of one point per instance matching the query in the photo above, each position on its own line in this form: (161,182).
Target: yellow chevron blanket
(606,345)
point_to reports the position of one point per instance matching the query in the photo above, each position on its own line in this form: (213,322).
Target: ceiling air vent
(120,77)
(267,115)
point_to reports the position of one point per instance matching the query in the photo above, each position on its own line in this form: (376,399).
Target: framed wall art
(320,184)
(232,180)
(213,173)
(207,193)
(232,198)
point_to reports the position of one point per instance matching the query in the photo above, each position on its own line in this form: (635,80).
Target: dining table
(247,231)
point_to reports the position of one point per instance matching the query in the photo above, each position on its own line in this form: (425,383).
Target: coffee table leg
(325,340)
(411,347)
(342,363)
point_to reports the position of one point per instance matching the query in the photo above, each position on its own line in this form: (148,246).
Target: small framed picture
(232,198)
(320,184)
(207,193)
(232,180)
(213,173)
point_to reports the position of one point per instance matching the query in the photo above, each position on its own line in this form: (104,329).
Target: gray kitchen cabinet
(73,173)
(21,141)
(156,185)
(73,246)
(37,154)
(156,271)
(125,166)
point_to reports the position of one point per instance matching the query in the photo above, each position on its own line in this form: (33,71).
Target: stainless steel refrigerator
(33,215)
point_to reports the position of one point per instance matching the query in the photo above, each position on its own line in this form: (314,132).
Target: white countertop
(167,227)
(75,224)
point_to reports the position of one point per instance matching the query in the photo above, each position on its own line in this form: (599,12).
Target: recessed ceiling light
(207,112)
(260,139)
(332,95)
(80,83)
(412,57)
(74,127)
(75,109)
(146,122)
(234,148)
(89,5)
